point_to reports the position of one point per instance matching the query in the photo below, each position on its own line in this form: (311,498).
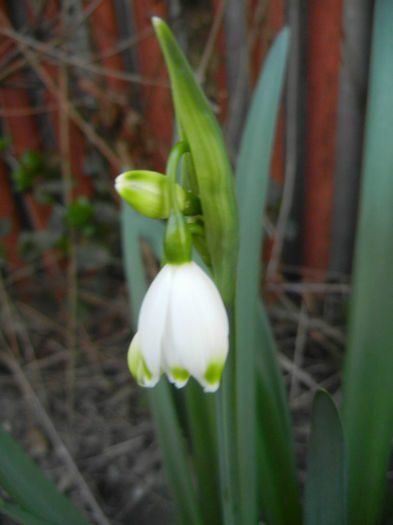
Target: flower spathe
(182,330)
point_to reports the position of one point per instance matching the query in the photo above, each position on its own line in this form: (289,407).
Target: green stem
(226,433)
(177,239)
(200,410)
(171,169)
(175,455)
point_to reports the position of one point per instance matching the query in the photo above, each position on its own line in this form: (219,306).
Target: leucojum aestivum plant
(222,419)
(225,430)
(186,323)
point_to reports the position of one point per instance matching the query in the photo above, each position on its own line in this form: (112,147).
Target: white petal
(153,316)
(137,365)
(173,368)
(197,325)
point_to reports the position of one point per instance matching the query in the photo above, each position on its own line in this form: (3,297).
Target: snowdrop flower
(182,330)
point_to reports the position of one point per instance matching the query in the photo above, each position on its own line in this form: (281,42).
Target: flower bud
(147,192)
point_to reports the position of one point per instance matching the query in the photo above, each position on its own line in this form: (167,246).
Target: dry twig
(300,344)
(211,41)
(59,56)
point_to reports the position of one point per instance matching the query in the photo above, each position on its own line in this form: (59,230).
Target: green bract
(199,128)
(177,239)
(147,192)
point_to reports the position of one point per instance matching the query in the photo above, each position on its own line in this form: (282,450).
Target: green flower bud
(147,192)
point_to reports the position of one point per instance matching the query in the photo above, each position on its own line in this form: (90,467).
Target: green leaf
(278,486)
(18,515)
(31,489)
(274,437)
(5,141)
(135,228)
(79,213)
(30,167)
(325,486)
(32,160)
(368,400)
(199,128)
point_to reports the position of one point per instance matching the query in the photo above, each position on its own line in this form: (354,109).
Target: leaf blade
(19,515)
(368,404)
(253,172)
(199,127)
(30,488)
(325,490)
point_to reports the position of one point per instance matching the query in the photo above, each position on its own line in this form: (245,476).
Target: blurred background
(84,95)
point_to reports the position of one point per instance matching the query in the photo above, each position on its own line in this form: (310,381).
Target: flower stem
(226,432)
(171,169)
(177,239)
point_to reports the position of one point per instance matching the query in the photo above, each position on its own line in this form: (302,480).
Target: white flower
(182,330)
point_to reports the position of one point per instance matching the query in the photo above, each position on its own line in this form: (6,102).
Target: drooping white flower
(182,330)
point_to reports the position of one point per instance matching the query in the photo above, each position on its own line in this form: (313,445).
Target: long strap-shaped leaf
(279,493)
(368,399)
(31,489)
(18,515)
(325,486)
(161,401)
(199,128)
